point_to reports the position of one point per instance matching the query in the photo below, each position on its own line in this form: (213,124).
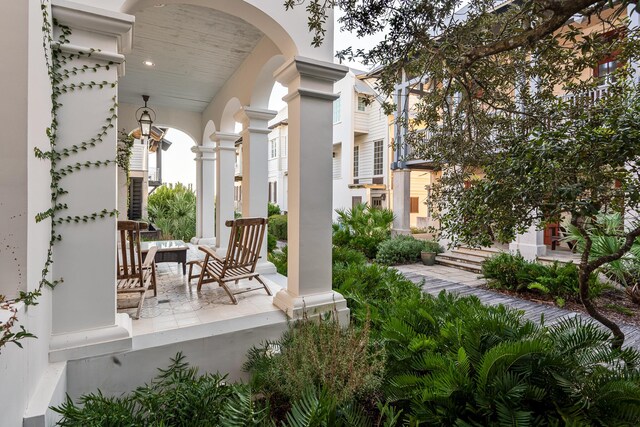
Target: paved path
(438,278)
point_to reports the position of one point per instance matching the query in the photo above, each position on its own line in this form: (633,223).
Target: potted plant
(430,249)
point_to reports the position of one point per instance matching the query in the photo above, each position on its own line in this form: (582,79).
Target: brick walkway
(437,278)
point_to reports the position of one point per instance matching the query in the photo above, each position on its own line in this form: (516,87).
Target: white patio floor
(178,305)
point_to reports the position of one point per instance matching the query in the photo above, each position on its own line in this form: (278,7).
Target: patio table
(168,251)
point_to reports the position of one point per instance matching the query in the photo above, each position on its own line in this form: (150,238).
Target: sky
(178,163)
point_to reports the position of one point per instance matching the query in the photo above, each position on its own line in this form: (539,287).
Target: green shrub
(373,291)
(404,249)
(172,208)
(272,243)
(273,209)
(178,396)
(362,228)
(432,246)
(279,259)
(321,354)
(453,361)
(278,226)
(342,255)
(502,270)
(513,272)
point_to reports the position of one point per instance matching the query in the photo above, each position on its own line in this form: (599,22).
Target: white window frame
(362,104)
(356,161)
(378,157)
(273,148)
(337,111)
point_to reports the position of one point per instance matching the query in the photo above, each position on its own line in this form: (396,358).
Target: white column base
(206,241)
(528,251)
(92,342)
(310,306)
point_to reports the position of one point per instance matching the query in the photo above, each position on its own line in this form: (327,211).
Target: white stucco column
(84,318)
(255,193)
(225,175)
(205,196)
(310,102)
(401,201)
(530,244)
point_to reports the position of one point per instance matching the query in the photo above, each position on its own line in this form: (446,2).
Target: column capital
(203,153)
(100,21)
(248,113)
(223,138)
(309,68)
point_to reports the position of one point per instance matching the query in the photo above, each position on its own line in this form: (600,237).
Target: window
(356,160)
(606,70)
(273,192)
(414,205)
(376,202)
(355,201)
(336,111)
(378,156)
(362,103)
(273,148)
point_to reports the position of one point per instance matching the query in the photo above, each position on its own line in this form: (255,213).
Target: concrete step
(484,252)
(459,265)
(463,257)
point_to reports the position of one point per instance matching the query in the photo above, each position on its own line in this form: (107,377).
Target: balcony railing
(588,97)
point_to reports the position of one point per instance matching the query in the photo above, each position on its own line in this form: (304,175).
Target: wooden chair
(240,262)
(134,275)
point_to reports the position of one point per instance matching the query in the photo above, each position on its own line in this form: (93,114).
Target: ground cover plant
(172,208)
(404,249)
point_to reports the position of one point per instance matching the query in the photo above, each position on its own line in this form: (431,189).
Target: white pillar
(84,317)
(310,102)
(530,244)
(205,196)
(225,176)
(401,201)
(255,176)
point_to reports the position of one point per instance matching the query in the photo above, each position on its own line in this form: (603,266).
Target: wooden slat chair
(134,275)
(240,262)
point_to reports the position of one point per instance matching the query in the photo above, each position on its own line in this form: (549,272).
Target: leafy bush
(432,246)
(321,354)
(513,272)
(278,226)
(279,259)
(404,249)
(362,228)
(272,243)
(172,208)
(273,209)
(177,397)
(453,361)
(347,256)
(606,238)
(373,291)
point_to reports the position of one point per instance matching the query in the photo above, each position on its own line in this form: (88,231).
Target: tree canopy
(512,108)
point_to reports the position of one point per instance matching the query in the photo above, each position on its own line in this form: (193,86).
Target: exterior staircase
(463,258)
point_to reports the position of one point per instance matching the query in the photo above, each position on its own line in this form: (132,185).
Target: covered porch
(209,67)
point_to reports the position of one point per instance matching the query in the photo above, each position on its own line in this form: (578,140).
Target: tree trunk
(583,281)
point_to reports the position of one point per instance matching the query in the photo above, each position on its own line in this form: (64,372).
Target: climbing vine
(60,70)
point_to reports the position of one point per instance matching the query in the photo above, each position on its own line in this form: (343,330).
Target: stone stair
(463,258)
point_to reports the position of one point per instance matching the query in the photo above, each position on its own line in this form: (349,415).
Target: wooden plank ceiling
(194,51)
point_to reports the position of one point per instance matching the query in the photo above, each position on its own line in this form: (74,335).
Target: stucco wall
(24,191)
